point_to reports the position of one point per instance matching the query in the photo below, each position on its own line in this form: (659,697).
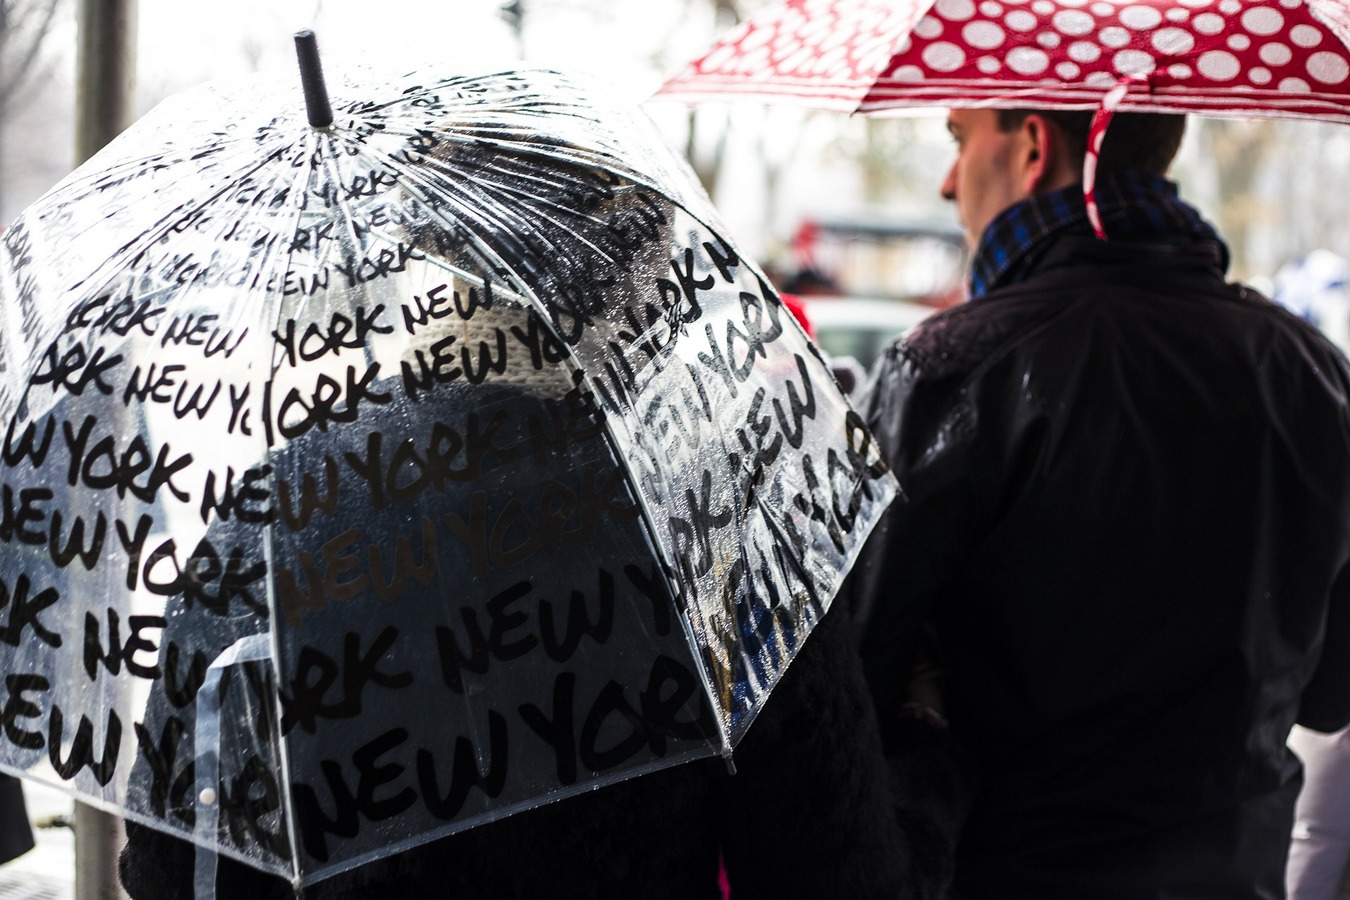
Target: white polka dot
(1020,20)
(1176,14)
(1294,86)
(1179,71)
(1140,18)
(1239,42)
(1044,7)
(988,65)
(929,27)
(1084,52)
(1229,7)
(983,35)
(1328,68)
(1305,35)
(798,61)
(1100,80)
(1103,9)
(1073,22)
(1218,65)
(1196,4)
(1262,20)
(836,59)
(1067,70)
(717,58)
(1048,39)
(1028,60)
(751,62)
(1275,54)
(991,9)
(943,56)
(755,38)
(1173,41)
(1208,23)
(1291,4)
(1114,37)
(1133,62)
(907,73)
(1259,75)
(955,10)
(905,46)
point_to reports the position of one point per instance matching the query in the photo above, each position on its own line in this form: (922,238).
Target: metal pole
(98,841)
(105,73)
(104,87)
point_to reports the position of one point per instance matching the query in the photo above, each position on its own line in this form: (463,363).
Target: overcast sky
(182,42)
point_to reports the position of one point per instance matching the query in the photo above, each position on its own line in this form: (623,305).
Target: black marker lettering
(464,771)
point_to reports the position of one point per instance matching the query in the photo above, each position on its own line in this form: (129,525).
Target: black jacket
(1126,515)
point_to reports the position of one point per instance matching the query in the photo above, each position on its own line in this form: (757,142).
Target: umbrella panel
(1272,58)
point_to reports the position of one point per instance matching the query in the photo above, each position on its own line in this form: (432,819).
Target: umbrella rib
(269,548)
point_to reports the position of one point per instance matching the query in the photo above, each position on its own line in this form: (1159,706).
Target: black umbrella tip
(311,79)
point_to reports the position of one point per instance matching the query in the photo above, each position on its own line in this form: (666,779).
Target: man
(1126,521)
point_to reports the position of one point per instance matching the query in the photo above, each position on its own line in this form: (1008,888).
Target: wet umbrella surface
(366,481)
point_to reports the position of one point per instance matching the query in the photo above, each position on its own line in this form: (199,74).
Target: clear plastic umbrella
(369,477)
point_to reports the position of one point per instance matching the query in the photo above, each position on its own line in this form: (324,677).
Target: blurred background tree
(26,27)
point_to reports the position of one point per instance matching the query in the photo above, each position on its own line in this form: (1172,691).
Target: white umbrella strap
(1096,134)
(207,743)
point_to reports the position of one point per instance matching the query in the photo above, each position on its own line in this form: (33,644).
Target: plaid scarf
(1135,206)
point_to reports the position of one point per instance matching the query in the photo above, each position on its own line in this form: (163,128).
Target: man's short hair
(1147,141)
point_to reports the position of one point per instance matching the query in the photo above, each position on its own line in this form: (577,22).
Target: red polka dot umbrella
(1220,57)
(1243,58)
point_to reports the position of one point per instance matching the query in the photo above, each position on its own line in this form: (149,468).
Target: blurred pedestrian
(811,282)
(1126,517)
(1316,287)
(16,832)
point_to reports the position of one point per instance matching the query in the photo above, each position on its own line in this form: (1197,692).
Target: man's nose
(948,189)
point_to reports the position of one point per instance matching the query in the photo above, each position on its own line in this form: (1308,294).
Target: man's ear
(1045,164)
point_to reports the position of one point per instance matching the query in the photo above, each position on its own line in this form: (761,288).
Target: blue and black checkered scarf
(1135,206)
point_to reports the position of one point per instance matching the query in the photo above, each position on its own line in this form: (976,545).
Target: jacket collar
(1207,256)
